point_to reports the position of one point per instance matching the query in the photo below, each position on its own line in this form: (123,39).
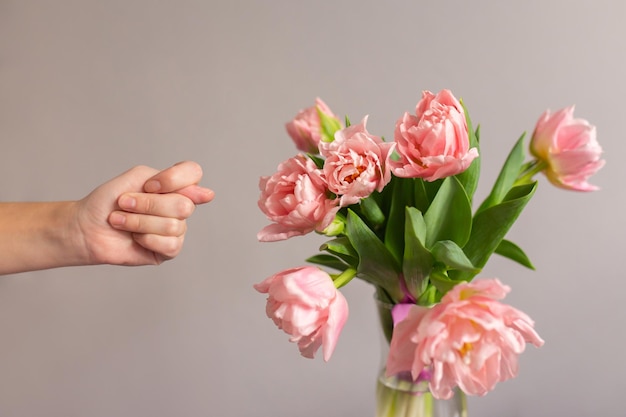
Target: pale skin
(136,218)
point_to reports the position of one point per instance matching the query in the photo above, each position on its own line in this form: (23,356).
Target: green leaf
(319,162)
(449,216)
(421,200)
(385,196)
(469,177)
(342,248)
(431,188)
(510,250)
(442,282)
(491,225)
(328,126)
(372,211)
(450,254)
(401,196)
(329,261)
(508,174)
(417,261)
(520,191)
(429,297)
(376,264)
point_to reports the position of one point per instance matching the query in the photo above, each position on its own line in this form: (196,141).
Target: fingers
(163,236)
(155,216)
(174,178)
(163,205)
(197,194)
(182,178)
(145,224)
(157,222)
(164,247)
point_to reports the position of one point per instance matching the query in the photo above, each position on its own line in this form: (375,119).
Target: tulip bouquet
(400,215)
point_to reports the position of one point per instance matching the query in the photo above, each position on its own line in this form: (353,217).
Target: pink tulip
(569,148)
(434,143)
(356,163)
(304,303)
(469,340)
(305,129)
(294,198)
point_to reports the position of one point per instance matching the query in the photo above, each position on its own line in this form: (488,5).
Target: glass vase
(399,395)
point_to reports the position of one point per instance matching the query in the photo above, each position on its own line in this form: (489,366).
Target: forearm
(121,222)
(36,236)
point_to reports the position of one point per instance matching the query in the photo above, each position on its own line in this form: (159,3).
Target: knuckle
(146,204)
(136,223)
(141,170)
(185,208)
(172,247)
(197,169)
(173,227)
(192,169)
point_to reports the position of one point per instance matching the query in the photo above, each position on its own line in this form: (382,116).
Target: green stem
(345,277)
(529,171)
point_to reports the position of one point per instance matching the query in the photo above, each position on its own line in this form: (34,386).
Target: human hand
(139,217)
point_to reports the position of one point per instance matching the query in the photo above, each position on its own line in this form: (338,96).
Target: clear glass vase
(399,395)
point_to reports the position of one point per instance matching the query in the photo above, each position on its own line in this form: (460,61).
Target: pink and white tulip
(295,199)
(304,303)
(433,143)
(306,127)
(469,340)
(357,163)
(568,147)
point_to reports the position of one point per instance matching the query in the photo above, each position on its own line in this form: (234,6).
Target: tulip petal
(469,339)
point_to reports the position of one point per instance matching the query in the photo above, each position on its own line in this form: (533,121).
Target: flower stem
(345,277)
(529,171)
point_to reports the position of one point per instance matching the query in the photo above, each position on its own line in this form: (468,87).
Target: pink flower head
(294,198)
(304,303)
(469,339)
(569,148)
(434,143)
(305,129)
(356,163)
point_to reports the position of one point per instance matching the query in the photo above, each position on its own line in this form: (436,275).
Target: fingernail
(117,219)
(127,202)
(152,186)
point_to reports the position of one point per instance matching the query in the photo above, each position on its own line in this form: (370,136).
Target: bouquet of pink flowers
(399,215)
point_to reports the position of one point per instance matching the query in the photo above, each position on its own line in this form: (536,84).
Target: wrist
(39,235)
(59,234)
(68,237)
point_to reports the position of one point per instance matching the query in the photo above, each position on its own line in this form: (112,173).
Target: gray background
(91,88)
